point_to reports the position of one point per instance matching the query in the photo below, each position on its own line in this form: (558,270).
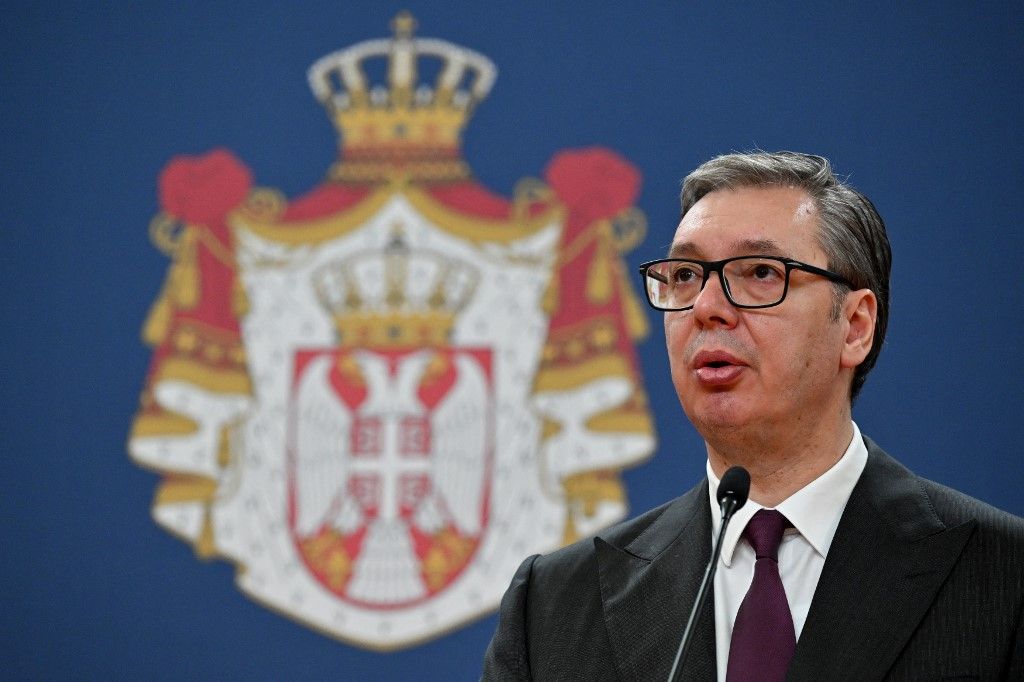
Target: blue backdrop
(921,108)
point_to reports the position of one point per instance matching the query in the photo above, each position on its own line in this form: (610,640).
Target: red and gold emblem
(378,397)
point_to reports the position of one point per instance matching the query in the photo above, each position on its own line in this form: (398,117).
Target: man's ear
(860,310)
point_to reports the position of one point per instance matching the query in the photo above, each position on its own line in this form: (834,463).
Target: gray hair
(852,234)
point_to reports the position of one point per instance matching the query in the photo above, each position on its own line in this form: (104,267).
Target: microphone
(733,491)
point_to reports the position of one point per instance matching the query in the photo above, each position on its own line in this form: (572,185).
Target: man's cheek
(675,333)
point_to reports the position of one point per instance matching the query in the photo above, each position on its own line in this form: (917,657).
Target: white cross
(389,464)
(392,399)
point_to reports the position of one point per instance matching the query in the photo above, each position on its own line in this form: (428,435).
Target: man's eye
(762,272)
(685,275)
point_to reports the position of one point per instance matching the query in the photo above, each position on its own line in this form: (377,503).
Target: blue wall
(921,108)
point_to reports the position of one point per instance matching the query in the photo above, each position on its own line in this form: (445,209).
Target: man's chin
(717,411)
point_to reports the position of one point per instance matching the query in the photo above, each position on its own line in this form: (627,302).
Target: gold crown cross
(404,25)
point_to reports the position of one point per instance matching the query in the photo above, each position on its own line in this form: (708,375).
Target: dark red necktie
(763,639)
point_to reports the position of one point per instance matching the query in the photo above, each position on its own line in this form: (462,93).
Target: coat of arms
(377,398)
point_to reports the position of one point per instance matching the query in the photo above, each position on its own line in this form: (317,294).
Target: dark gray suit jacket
(921,583)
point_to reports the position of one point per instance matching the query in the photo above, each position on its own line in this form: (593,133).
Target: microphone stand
(729,505)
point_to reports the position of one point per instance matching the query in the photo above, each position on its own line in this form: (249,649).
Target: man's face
(761,368)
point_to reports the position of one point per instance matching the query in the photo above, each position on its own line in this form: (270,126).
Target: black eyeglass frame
(712,266)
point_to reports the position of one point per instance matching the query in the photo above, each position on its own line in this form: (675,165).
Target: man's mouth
(717,368)
(716,359)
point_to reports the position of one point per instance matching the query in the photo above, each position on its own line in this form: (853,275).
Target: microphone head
(735,484)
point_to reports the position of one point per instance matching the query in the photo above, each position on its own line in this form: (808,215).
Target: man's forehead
(771,221)
(760,247)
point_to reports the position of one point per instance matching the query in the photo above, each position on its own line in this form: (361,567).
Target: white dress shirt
(814,511)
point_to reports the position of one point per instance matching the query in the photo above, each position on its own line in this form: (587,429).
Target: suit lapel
(890,555)
(648,588)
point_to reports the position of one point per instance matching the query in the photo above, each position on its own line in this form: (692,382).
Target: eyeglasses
(748,281)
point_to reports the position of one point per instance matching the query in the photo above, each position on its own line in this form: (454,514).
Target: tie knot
(764,533)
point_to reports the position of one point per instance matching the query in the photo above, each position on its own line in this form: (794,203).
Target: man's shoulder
(949,506)
(955,508)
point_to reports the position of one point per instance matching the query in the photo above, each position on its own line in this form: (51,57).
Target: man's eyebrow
(745,247)
(757,247)
(683,250)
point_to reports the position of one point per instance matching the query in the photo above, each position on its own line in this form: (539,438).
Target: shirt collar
(814,510)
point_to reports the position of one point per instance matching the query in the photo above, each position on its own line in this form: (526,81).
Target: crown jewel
(403,126)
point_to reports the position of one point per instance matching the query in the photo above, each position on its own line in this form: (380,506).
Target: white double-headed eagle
(386,570)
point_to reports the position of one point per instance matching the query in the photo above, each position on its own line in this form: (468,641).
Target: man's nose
(712,306)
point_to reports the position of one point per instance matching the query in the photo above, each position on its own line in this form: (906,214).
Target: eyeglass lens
(750,282)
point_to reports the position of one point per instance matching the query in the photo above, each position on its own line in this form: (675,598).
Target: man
(843,565)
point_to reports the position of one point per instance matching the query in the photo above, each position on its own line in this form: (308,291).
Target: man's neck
(782,462)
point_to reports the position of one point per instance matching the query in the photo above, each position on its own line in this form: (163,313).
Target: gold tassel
(590,488)
(184,277)
(549,303)
(158,321)
(599,275)
(205,545)
(239,299)
(224,447)
(636,319)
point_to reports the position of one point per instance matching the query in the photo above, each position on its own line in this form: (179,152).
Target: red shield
(389,461)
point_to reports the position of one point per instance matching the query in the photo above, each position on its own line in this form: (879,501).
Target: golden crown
(404,126)
(395,297)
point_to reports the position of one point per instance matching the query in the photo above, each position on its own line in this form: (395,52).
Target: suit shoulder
(955,507)
(910,495)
